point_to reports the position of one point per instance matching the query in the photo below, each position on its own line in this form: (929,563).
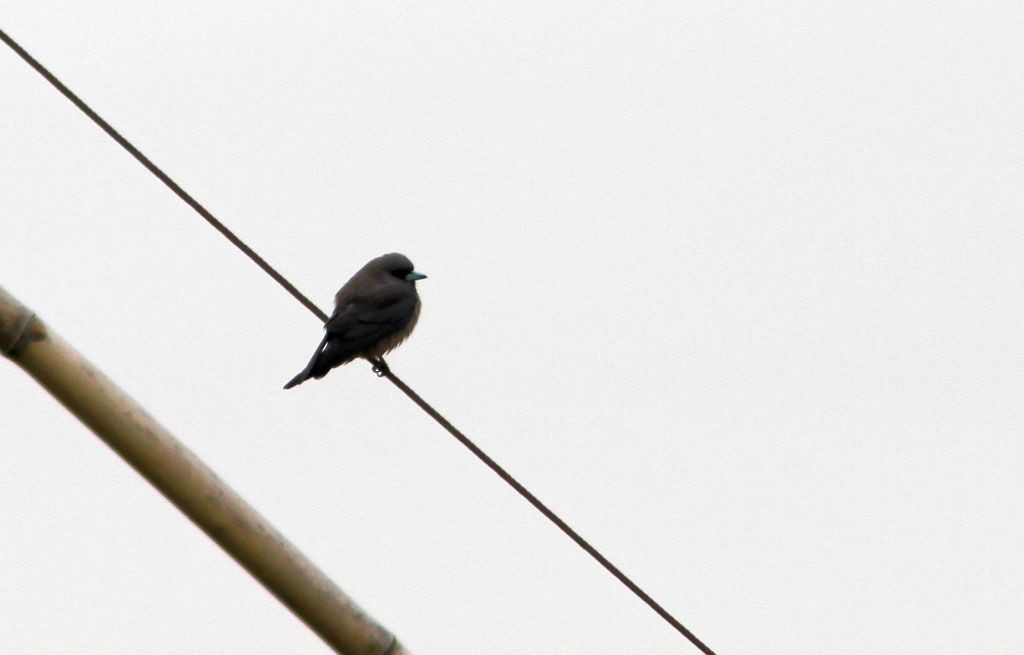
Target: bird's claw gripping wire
(380,367)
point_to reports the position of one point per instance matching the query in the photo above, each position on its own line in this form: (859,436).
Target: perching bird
(374,312)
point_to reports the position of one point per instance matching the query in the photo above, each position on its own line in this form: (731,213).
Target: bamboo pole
(188,483)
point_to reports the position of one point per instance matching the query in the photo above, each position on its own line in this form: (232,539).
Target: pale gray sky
(735,288)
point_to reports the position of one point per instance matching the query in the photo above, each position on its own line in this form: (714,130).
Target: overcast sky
(736,288)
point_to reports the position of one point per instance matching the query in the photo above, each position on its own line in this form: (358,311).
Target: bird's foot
(380,367)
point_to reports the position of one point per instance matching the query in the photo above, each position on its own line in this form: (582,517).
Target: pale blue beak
(415,275)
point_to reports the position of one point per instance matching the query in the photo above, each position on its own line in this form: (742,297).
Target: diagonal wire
(554,518)
(160,175)
(384,371)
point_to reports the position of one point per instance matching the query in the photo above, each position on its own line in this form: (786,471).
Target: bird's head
(399,266)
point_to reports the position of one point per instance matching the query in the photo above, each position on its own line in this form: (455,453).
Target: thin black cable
(384,371)
(163,177)
(554,518)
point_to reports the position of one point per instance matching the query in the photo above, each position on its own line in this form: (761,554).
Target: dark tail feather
(297,380)
(308,371)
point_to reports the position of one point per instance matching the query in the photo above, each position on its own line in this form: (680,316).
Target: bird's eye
(400,273)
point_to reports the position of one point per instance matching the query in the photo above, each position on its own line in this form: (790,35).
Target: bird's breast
(393,340)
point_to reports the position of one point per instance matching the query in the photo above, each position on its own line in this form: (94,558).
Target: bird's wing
(369,320)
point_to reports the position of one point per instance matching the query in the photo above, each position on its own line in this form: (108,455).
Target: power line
(383,370)
(160,175)
(554,518)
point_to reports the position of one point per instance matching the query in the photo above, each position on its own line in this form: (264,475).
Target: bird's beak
(415,275)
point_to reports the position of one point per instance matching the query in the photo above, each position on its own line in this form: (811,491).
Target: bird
(374,312)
